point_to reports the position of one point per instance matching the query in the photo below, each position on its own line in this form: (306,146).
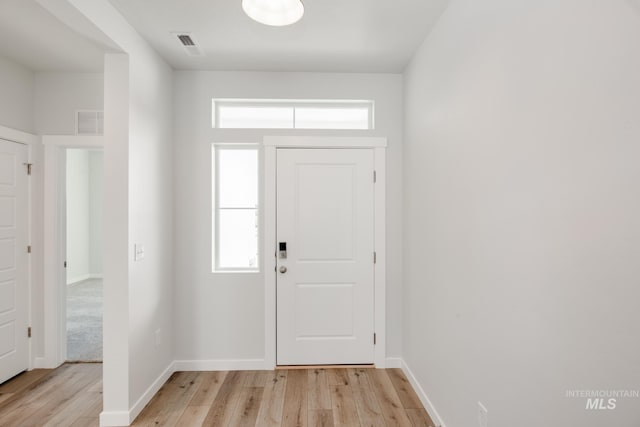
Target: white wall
(221,316)
(78,216)
(59,95)
(17,100)
(522,211)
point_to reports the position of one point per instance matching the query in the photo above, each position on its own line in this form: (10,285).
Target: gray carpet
(84,321)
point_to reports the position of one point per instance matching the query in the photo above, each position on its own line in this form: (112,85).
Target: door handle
(283,269)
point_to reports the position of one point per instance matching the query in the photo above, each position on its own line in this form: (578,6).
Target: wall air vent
(89,122)
(189,44)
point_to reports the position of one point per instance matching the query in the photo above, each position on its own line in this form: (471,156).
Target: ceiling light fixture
(274,12)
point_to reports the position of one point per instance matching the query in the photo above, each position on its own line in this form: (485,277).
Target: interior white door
(325,285)
(14,344)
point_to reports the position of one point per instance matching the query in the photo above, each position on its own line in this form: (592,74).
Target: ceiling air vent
(189,44)
(89,122)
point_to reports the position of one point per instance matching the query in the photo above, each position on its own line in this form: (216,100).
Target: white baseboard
(125,418)
(219,365)
(73,280)
(114,418)
(393,362)
(84,277)
(43,363)
(150,392)
(435,417)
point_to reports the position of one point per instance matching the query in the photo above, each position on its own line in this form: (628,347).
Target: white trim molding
(428,406)
(378,146)
(54,241)
(324,142)
(394,363)
(74,141)
(115,418)
(16,135)
(149,393)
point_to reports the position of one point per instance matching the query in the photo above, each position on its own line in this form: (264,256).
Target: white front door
(325,285)
(14,344)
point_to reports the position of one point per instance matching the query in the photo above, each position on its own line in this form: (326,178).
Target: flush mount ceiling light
(274,12)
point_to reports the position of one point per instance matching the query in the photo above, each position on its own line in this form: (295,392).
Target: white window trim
(378,146)
(293,103)
(215,261)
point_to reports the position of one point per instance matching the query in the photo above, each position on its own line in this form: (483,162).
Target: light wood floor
(72,396)
(69,396)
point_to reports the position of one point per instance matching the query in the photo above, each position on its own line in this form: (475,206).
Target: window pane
(259,117)
(238,238)
(332,118)
(238,178)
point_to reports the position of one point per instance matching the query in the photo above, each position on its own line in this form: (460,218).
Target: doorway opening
(84,252)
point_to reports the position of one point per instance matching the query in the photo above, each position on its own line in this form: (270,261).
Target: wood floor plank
(256,378)
(321,418)
(23,380)
(45,397)
(95,408)
(407,395)
(193,416)
(33,393)
(68,414)
(270,414)
(5,396)
(86,422)
(390,405)
(318,387)
(295,411)
(209,387)
(174,396)
(248,406)
(420,418)
(338,376)
(225,403)
(70,401)
(366,401)
(345,413)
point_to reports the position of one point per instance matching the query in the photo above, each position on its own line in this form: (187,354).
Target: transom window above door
(292,114)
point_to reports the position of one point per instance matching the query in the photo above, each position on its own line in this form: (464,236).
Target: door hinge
(28,165)
(29,332)
(29,249)
(374,338)
(375,177)
(375,257)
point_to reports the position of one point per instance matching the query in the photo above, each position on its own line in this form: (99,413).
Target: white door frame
(378,146)
(55,333)
(28,139)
